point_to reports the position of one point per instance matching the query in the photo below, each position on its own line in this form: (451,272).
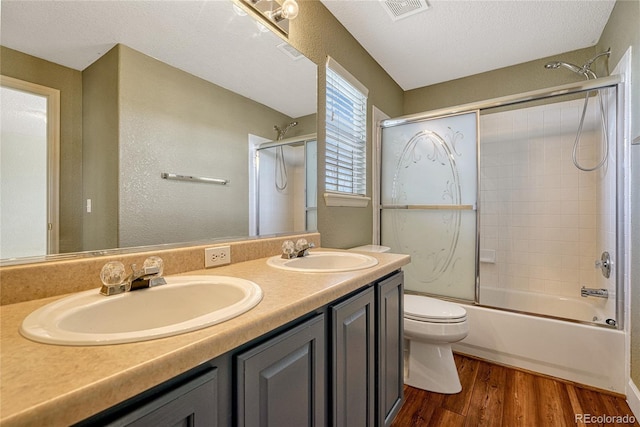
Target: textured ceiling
(458,38)
(452,39)
(204,38)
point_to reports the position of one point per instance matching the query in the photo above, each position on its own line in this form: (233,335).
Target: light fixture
(276,12)
(288,10)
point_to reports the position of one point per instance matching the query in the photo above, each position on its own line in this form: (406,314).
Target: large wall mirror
(150,90)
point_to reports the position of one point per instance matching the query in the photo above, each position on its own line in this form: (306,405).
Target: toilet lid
(421,308)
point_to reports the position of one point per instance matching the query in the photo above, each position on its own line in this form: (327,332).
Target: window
(346,134)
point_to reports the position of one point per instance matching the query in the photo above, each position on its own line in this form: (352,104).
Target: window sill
(347,200)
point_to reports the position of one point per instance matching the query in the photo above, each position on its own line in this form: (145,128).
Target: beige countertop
(53,385)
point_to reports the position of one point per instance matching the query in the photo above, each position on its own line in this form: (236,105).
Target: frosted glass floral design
(429,188)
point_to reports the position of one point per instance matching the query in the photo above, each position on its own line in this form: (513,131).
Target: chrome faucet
(591,292)
(146,277)
(114,280)
(299,250)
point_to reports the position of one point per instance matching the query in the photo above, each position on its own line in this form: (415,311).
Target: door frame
(53,153)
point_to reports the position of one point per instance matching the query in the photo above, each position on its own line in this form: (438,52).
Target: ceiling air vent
(290,51)
(400,9)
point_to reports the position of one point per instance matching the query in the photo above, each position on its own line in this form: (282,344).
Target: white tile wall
(282,211)
(547,221)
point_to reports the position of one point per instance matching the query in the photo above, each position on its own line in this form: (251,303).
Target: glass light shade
(289,9)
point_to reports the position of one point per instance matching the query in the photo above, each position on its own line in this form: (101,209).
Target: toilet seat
(432,310)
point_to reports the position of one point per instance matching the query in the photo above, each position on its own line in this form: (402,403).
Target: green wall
(172,121)
(100,151)
(318,34)
(496,83)
(144,117)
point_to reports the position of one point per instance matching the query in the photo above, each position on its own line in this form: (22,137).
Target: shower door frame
(302,140)
(616,82)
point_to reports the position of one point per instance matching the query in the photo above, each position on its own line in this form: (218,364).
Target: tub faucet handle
(604,264)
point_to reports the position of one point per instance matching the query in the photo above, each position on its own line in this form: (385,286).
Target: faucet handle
(114,278)
(303,245)
(604,264)
(113,273)
(288,248)
(153,265)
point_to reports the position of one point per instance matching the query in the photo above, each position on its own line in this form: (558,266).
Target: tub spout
(590,292)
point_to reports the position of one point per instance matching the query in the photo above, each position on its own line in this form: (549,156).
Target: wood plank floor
(494,395)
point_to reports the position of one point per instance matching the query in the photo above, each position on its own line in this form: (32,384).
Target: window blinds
(346,135)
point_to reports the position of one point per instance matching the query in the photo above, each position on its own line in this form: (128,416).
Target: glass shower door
(286,187)
(311,167)
(428,202)
(549,207)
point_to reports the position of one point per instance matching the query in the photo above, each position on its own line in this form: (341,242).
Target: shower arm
(587,65)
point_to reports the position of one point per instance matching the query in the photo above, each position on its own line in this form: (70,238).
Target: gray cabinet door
(390,375)
(193,404)
(353,358)
(282,381)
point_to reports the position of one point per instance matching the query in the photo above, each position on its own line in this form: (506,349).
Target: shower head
(557,64)
(283,132)
(585,70)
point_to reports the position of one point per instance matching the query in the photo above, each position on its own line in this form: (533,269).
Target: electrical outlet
(219,255)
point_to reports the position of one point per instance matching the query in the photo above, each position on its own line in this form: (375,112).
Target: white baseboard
(633,398)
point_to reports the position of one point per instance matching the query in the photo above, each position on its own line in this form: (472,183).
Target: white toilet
(431,326)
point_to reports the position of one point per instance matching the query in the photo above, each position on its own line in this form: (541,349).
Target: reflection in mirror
(28,167)
(285,187)
(156,87)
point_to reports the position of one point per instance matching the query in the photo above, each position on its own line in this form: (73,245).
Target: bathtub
(586,354)
(574,308)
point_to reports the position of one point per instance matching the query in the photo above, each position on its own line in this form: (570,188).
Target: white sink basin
(184,304)
(324,262)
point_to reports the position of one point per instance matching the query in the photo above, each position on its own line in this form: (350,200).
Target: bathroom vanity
(319,349)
